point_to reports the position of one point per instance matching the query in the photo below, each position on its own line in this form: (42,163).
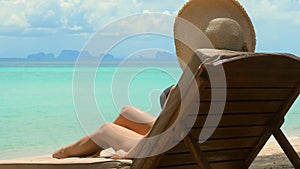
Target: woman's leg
(135,120)
(108,135)
(117,137)
(132,122)
(82,148)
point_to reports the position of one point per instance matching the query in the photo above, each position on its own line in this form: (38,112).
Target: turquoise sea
(37,108)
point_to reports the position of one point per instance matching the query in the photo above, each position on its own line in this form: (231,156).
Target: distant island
(69,58)
(74,54)
(41,55)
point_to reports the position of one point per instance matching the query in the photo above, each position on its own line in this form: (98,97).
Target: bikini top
(164,95)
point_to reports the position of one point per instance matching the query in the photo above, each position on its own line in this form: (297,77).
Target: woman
(224,33)
(123,134)
(133,124)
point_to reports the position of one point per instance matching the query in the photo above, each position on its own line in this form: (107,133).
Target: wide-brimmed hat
(194,18)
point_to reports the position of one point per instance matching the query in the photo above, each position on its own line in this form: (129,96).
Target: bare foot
(59,154)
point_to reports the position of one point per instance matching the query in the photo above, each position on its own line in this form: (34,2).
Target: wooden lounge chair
(261,87)
(259,90)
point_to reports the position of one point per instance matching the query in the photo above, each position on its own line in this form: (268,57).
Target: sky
(31,26)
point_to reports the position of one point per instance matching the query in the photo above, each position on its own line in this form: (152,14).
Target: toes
(59,154)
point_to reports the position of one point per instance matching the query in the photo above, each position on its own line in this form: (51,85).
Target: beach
(272,156)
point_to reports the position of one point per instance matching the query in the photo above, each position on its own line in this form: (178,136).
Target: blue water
(37,110)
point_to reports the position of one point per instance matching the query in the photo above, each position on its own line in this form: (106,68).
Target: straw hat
(207,23)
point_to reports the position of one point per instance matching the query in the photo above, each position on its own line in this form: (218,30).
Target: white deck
(47,162)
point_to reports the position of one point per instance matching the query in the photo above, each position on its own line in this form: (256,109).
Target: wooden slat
(189,166)
(263,73)
(242,107)
(220,165)
(263,68)
(239,164)
(261,80)
(232,132)
(213,145)
(261,61)
(236,73)
(269,63)
(213,156)
(254,83)
(237,143)
(177,159)
(248,94)
(227,155)
(237,120)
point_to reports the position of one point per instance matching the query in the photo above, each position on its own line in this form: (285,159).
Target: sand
(272,156)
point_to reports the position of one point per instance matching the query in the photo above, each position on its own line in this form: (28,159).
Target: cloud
(65,5)
(142,23)
(166,12)
(69,16)
(276,10)
(160,6)
(15,20)
(146,11)
(78,19)
(76,28)
(12,19)
(49,14)
(23,14)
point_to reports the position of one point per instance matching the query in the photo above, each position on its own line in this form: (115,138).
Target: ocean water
(37,106)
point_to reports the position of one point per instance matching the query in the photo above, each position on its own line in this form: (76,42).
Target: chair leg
(287,147)
(196,152)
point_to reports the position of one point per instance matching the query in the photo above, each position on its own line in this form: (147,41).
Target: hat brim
(199,13)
